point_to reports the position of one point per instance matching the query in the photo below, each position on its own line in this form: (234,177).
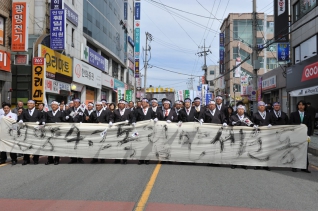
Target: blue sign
(199,88)
(282,52)
(221,48)
(137,11)
(57,31)
(208,98)
(137,41)
(118,84)
(131,42)
(125,10)
(56,4)
(71,16)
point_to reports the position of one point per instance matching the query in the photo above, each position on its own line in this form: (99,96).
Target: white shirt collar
(31,111)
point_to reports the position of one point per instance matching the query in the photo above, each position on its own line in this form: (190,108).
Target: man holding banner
(187,113)
(219,104)
(213,115)
(168,114)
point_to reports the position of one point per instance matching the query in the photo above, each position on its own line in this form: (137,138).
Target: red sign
(310,72)
(5,62)
(20,32)
(38,61)
(21,59)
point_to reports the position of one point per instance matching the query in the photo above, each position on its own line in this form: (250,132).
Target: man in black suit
(240,119)
(100,116)
(220,106)
(187,113)
(88,111)
(168,114)
(278,116)
(54,116)
(75,115)
(200,110)
(213,115)
(302,117)
(146,113)
(177,106)
(262,118)
(123,115)
(32,115)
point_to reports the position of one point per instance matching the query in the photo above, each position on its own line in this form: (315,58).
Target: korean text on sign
(20,15)
(38,83)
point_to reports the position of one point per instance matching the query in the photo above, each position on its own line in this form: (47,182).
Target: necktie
(97,113)
(145,111)
(30,112)
(166,114)
(301,116)
(187,110)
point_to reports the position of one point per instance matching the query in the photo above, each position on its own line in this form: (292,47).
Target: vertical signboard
(136,68)
(120,93)
(57,31)
(5,61)
(283,52)
(20,26)
(1,30)
(238,69)
(186,94)
(56,4)
(244,84)
(281,20)
(71,16)
(221,53)
(128,95)
(137,42)
(259,89)
(125,10)
(137,10)
(204,92)
(38,79)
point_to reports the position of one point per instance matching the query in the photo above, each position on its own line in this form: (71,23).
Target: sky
(177,35)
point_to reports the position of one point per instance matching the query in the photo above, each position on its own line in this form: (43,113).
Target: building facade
(302,75)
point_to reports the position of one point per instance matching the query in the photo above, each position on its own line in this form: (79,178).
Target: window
(270,27)
(302,7)
(243,54)
(73,30)
(211,72)
(306,50)
(211,83)
(296,11)
(272,63)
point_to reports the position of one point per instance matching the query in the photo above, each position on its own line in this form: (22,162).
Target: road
(155,187)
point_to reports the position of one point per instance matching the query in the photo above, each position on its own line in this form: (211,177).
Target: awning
(304,92)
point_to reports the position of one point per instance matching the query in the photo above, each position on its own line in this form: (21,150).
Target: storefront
(302,82)
(274,88)
(5,77)
(56,90)
(107,87)
(88,78)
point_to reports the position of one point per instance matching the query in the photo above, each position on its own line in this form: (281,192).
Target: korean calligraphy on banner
(20,25)
(38,79)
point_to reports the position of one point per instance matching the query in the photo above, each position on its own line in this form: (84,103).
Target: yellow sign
(56,62)
(38,79)
(160,89)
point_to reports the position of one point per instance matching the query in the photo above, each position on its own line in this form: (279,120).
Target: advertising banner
(107,81)
(283,52)
(136,68)
(95,59)
(244,84)
(38,79)
(238,69)
(57,30)
(71,16)
(2,38)
(5,61)
(137,10)
(120,93)
(137,42)
(20,26)
(56,62)
(125,10)
(186,94)
(269,83)
(278,146)
(57,4)
(86,74)
(128,95)
(221,53)
(281,20)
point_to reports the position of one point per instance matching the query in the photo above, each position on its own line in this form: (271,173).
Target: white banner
(280,146)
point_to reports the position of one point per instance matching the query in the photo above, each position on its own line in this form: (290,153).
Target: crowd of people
(180,111)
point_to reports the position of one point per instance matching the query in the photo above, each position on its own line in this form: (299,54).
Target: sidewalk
(313,145)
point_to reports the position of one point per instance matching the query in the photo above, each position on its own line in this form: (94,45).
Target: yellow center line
(7,163)
(146,193)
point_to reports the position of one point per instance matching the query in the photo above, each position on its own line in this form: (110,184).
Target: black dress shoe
(80,161)
(56,162)
(147,162)
(25,162)
(294,170)
(306,170)
(102,160)
(244,167)
(36,162)
(117,161)
(266,168)
(140,162)
(233,166)
(48,163)
(14,162)
(124,162)
(257,167)
(72,161)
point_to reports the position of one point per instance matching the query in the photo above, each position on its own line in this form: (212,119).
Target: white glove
(233,123)
(110,124)
(155,120)
(127,121)
(168,121)
(37,123)
(255,126)
(67,117)
(80,122)
(133,124)
(179,123)
(21,121)
(224,124)
(201,120)
(269,125)
(308,139)
(43,123)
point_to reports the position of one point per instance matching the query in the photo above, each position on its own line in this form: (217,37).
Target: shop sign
(20,26)
(269,83)
(86,74)
(5,60)
(38,77)
(107,81)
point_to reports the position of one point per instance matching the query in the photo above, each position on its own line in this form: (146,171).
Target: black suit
(258,120)
(199,114)
(223,109)
(37,116)
(279,120)
(217,118)
(184,117)
(172,116)
(50,118)
(79,117)
(235,118)
(104,117)
(295,120)
(140,116)
(128,115)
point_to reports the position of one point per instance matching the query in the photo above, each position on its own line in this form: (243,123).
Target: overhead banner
(20,26)
(281,20)
(221,53)
(238,69)
(5,61)
(283,52)
(38,79)
(129,95)
(279,146)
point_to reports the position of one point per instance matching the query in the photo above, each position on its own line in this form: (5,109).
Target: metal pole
(146,64)
(254,47)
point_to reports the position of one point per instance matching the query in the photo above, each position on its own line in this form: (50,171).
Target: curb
(313,151)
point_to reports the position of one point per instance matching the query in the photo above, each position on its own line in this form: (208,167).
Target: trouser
(13,156)
(51,160)
(75,159)
(26,157)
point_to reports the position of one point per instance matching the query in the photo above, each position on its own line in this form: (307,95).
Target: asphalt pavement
(176,187)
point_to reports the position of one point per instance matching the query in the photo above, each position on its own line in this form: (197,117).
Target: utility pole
(148,37)
(255,52)
(206,51)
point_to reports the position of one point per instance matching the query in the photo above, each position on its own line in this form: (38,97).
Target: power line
(266,6)
(173,71)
